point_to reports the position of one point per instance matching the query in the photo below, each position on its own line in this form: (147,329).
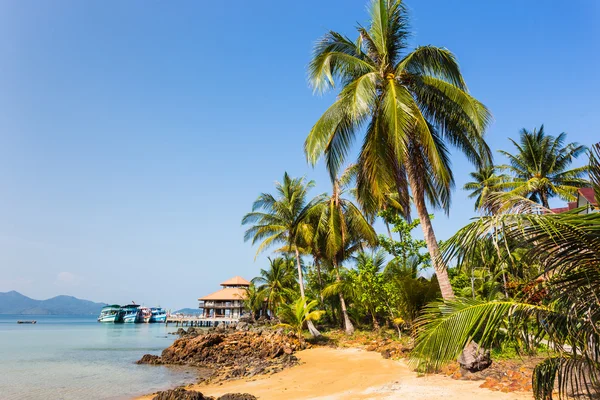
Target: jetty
(198,321)
(31,321)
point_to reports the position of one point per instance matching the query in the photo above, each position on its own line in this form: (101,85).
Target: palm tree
(342,230)
(560,306)
(485,182)
(254,300)
(282,219)
(411,103)
(276,282)
(294,316)
(540,168)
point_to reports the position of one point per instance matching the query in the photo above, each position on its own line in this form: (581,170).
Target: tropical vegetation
(517,275)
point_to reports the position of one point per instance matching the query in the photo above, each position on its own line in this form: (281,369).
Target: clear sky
(135,134)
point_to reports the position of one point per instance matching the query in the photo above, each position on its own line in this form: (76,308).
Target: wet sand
(332,374)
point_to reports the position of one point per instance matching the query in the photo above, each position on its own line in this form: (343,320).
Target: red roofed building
(585,198)
(227,303)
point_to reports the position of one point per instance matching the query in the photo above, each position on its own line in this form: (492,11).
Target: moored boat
(158,315)
(109,313)
(130,313)
(145,314)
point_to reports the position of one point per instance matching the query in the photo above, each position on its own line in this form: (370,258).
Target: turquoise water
(64,357)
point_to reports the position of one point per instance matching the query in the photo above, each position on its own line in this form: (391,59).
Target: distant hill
(188,311)
(15,303)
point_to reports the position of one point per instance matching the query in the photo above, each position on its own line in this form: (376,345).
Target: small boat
(26,321)
(145,314)
(129,313)
(109,313)
(158,315)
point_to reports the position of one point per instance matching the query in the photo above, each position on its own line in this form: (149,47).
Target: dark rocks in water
(180,394)
(150,359)
(474,358)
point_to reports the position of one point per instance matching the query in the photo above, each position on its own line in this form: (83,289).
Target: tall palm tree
(342,229)
(282,219)
(540,168)
(276,282)
(411,103)
(560,306)
(485,181)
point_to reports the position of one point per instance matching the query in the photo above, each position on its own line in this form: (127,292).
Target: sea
(75,357)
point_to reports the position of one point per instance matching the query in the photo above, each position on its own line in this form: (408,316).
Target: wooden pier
(198,321)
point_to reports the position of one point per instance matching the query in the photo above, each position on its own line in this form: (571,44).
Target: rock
(474,358)
(232,354)
(237,396)
(180,394)
(150,359)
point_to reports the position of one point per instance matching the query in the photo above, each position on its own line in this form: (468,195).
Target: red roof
(559,210)
(588,194)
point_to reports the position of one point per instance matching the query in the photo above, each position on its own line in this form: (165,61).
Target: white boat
(109,313)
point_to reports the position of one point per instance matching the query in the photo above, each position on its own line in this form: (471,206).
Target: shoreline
(350,373)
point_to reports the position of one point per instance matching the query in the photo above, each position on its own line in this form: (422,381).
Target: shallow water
(64,357)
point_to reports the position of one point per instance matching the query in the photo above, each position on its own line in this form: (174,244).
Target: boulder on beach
(474,358)
(183,394)
(180,394)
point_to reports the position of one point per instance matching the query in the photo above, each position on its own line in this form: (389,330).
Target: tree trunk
(311,327)
(347,323)
(544,197)
(432,245)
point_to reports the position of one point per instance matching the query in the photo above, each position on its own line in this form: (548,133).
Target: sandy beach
(332,374)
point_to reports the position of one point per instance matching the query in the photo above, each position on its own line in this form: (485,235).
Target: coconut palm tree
(294,316)
(254,300)
(412,105)
(559,306)
(485,181)
(276,282)
(342,230)
(282,219)
(540,168)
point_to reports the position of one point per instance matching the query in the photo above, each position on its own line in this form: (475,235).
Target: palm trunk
(311,327)
(544,197)
(432,245)
(347,323)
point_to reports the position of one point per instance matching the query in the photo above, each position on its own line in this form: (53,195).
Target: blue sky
(135,135)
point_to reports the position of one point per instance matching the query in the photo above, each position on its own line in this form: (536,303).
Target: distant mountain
(15,303)
(188,311)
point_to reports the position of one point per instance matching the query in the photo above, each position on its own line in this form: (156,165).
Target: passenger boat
(158,315)
(145,314)
(109,313)
(129,313)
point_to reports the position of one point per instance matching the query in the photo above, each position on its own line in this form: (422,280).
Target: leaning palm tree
(342,230)
(540,168)
(485,182)
(282,219)
(561,306)
(276,282)
(412,105)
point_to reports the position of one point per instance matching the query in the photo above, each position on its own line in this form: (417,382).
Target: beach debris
(474,358)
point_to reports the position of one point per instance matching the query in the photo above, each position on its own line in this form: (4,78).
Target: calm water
(78,358)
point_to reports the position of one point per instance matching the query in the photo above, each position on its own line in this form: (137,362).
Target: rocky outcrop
(231,354)
(183,394)
(474,358)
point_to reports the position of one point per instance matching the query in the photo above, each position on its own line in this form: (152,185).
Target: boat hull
(160,319)
(108,318)
(129,319)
